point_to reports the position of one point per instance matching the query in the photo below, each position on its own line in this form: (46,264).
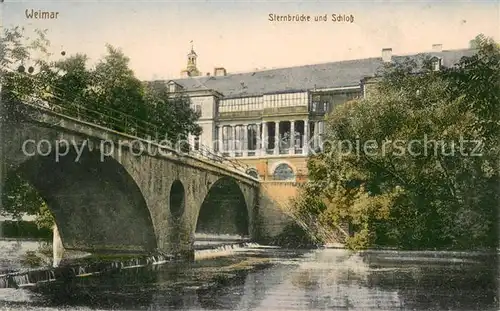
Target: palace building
(272,119)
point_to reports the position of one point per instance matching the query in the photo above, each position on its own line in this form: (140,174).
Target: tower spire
(191,70)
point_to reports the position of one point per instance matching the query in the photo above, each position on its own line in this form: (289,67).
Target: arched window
(283,172)
(252,172)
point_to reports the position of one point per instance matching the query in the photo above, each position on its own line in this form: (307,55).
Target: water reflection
(130,288)
(10,259)
(445,288)
(175,286)
(267,279)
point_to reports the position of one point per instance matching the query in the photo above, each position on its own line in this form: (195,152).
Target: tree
(477,78)
(16,57)
(16,50)
(116,92)
(71,79)
(437,194)
(173,115)
(480,40)
(109,95)
(18,197)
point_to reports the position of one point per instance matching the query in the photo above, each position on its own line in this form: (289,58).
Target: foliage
(25,229)
(110,91)
(477,79)
(294,236)
(18,197)
(108,94)
(44,218)
(42,257)
(31,260)
(439,193)
(480,40)
(173,115)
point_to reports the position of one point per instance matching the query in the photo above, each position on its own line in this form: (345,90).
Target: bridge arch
(97,205)
(224,210)
(177,199)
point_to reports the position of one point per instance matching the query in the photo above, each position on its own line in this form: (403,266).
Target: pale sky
(237,35)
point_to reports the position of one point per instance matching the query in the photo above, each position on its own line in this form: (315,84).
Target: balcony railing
(284,151)
(285,147)
(231,115)
(285,110)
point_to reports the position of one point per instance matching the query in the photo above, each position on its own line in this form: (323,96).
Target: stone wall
(274,207)
(265,166)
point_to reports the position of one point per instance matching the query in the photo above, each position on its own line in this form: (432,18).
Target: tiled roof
(327,75)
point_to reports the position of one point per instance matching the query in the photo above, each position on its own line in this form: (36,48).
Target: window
(436,63)
(321,127)
(241,104)
(197,143)
(240,138)
(198,109)
(283,172)
(252,137)
(286,100)
(171,87)
(216,139)
(227,136)
(353,95)
(324,102)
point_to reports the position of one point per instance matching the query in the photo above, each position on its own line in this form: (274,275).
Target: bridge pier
(57,247)
(187,255)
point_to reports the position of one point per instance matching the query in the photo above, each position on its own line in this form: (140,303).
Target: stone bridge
(112,192)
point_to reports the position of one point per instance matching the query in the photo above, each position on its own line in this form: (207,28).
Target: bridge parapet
(103,138)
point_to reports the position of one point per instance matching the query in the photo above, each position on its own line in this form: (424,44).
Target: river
(256,277)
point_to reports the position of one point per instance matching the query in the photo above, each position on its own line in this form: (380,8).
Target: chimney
(220,71)
(387,55)
(437,47)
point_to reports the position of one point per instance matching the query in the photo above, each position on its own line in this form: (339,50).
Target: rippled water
(261,278)
(11,251)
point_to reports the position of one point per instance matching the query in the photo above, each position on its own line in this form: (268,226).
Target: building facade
(271,120)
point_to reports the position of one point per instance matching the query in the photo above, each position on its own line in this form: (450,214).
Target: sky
(239,36)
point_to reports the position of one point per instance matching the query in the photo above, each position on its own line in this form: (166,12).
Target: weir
(33,277)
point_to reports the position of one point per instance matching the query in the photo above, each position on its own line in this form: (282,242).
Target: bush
(25,229)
